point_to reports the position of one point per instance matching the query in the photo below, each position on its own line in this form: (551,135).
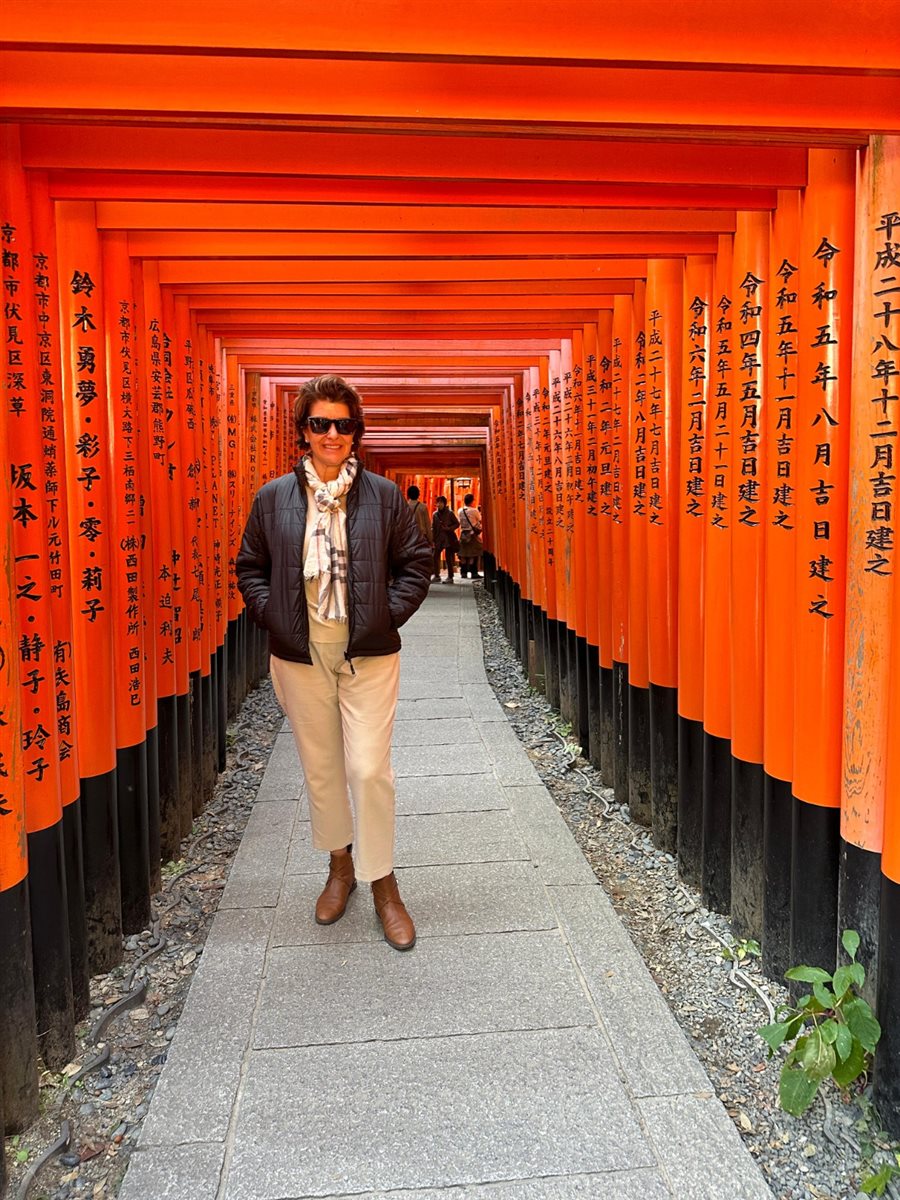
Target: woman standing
(470,545)
(331,565)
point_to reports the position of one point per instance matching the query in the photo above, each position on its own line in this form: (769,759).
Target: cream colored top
(319,630)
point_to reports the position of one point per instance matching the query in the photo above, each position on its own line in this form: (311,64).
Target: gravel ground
(105,1109)
(718,1005)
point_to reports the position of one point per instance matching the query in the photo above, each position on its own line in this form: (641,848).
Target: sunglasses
(344,425)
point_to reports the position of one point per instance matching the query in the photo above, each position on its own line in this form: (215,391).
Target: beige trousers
(342,724)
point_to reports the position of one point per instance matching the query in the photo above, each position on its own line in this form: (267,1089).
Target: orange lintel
(106,147)
(283,189)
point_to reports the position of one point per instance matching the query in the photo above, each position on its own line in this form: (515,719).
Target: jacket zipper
(349,604)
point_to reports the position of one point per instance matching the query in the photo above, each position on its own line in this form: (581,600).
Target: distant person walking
(444,524)
(331,565)
(470,544)
(420,512)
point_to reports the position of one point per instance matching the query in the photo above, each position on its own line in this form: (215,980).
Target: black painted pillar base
(169,815)
(185,764)
(50,947)
(100,849)
(74,865)
(18,1029)
(664,766)
(233,683)
(209,734)
(582,698)
(195,698)
(571,714)
(859,906)
(639,755)
(690,801)
(525,635)
(489,570)
(620,692)
(537,666)
(594,690)
(747,871)
(887,1060)
(153,848)
(715,868)
(134,837)
(778,809)
(515,632)
(607,732)
(565,679)
(551,662)
(220,707)
(815,853)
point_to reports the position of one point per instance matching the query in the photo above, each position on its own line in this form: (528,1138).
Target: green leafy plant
(741,949)
(833,1030)
(876,1183)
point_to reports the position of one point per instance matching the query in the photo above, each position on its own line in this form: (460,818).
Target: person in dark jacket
(331,565)
(444,525)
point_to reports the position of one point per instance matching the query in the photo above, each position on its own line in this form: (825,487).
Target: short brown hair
(335,390)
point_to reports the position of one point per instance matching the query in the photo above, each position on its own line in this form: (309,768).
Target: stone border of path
(488,832)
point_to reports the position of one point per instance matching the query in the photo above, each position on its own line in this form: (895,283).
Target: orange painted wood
(128,585)
(670,101)
(259,270)
(874,433)
(138,185)
(416,155)
(436,219)
(487,29)
(605,481)
(825,366)
(751,290)
(638,434)
(576,480)
(719,511)
(622,361)
(89,499)
(697,366)
(781,419)
(13,845)
(588,549)
(663,324)
(44,279)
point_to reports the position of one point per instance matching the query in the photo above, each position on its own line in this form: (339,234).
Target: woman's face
(329,450)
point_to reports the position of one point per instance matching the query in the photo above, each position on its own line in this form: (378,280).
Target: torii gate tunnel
(632,270)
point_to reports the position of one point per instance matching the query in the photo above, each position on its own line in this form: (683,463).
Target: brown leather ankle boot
(341,882)
(396,922)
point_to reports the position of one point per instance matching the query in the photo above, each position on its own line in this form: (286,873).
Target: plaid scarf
(326,559)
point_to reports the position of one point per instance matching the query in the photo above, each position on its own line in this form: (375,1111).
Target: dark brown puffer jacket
(389,565)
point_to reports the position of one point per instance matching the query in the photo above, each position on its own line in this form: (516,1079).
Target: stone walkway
(521,1050)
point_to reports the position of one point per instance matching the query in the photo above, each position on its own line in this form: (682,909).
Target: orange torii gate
(646,303)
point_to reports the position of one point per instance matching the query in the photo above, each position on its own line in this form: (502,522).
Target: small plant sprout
(833,1030)
(741,949)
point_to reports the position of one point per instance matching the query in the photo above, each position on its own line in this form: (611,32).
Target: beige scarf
(326,559)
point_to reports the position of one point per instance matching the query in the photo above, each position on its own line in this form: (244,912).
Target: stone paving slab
(439,1112)
(547,836)
(482,703)
(283,779)
(501,982)
(441,760)
(424,710)
(444,666)
(438,731)
(197,1090)
(510,762)
(616,1185)
(449,793)
(446,901)
(254,880)
(430,689)
(175,1173)
(655,1055)
(700,1149)
(428,840)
